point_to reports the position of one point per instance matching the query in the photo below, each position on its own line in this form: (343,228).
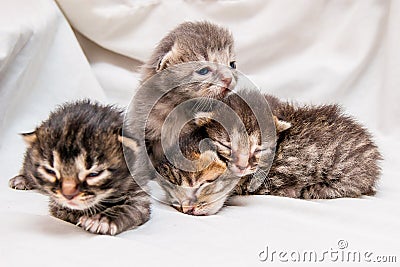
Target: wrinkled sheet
(305,51)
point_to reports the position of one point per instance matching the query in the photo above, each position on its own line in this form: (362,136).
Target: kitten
(203,185)
(192,41)
(193,62)
(76,158)
(324,154)
(320,153)
(247,142)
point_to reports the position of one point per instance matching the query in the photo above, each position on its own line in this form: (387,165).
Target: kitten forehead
(221,57)
(56,160)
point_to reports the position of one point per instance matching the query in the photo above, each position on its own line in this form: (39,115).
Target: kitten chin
(76,158)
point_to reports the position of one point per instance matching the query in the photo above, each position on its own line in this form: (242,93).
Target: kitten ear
(281,125)
(203,118)
(29,138)
(167,59)
(164,62)
(128,142)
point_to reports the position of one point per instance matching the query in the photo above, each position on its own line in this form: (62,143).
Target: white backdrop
(306,51)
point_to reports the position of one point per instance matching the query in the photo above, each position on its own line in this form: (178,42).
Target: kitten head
(203,189)
(192,41)
(236,133)
(76,156)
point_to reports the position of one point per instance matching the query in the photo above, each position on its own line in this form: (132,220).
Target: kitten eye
(203,71)
(201,204)
(233,64)
(259,150)
(94,174)
(225,145)
(48,171)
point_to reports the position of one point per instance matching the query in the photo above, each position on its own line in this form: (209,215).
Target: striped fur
(76,158)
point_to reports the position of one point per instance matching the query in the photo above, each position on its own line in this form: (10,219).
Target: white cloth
(306,51)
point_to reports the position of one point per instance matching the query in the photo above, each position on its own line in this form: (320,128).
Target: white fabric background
(306,51)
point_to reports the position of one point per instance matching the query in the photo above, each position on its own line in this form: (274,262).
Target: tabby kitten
(192,41)
(76,158)
(194,61)
(320,153)
(204,185)
(324,154)
(248,142)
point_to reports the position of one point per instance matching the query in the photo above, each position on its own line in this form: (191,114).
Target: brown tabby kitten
(320,153)
(202,190)
(75,157)
(240,143)
(195,60)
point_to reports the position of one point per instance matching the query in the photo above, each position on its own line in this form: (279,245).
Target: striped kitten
(76,158)
(192,41)
(199,187)
(320,153)
(195,60)
(240,141)
(324,154)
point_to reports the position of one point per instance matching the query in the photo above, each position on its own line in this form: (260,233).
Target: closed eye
(259,150)
(224,150)
(49,171)
(223,145)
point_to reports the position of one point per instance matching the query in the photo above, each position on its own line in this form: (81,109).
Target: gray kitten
(76,158)
(192,41)
(195,62)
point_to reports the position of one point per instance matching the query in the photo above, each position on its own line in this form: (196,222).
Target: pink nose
(69,189)
(227,81)
(242,168)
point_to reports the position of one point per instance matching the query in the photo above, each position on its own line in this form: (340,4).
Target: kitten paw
(98,224)
(19,182)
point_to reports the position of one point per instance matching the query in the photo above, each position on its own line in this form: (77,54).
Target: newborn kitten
(240,142)
(202,187)
(192,41)
(324,154)
(193,62)
(76,158)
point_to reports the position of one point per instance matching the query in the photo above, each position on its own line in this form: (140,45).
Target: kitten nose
(69,189)
(227,81)
(242,168)
(187,209)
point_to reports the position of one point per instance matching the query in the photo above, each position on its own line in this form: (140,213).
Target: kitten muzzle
(69,189)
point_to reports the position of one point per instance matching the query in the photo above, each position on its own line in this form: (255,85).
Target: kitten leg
(329,190)
(21,182)
(117,219)
(98,224)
